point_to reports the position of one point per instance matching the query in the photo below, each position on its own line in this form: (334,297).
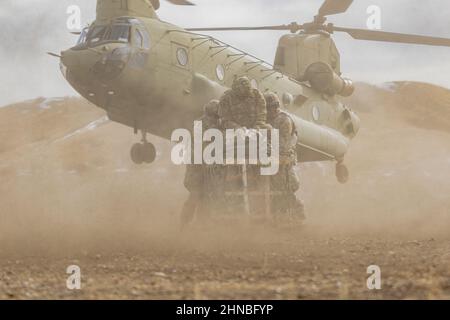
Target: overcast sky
(29,28)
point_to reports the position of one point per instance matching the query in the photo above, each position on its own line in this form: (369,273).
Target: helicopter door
(141,46)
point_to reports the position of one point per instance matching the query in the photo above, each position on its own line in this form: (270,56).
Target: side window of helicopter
(96,34)
(220,72)
(182,56)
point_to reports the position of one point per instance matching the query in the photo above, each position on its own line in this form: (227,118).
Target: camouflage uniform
(285,183)
(243,106)
(196,177)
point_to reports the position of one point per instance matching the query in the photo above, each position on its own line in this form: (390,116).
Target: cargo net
(240,190)
(234,191)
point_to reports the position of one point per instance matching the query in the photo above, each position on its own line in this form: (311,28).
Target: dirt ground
(279,266)
(69,195)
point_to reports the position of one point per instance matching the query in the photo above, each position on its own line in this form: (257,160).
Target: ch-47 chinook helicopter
(155,77)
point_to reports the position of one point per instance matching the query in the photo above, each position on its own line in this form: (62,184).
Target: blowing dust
(68,183)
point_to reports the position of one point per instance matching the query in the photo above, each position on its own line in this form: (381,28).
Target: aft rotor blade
(293,27)
(181,2)
(372,35)
(330,7)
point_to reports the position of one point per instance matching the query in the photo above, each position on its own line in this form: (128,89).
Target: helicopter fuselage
(155,77)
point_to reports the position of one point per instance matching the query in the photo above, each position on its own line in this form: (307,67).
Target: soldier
(243,106)
(196,177)
(285,183)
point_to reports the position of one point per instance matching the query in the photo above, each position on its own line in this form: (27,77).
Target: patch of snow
(388,86)
(44,105)
(89,127)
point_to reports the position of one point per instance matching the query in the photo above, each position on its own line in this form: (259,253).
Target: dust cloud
(68,182)
(69,193)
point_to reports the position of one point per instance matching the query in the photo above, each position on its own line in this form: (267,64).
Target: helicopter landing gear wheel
(148,152)
(136,153)
(143,153)
(342,173)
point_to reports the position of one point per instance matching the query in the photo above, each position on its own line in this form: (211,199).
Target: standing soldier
(285,183)
(197,175)
(242,107)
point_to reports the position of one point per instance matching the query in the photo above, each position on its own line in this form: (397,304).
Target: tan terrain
(70,195)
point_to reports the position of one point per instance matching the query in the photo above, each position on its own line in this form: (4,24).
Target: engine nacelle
(324,80)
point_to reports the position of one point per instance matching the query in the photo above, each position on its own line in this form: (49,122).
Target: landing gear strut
(144,152)
(342,173)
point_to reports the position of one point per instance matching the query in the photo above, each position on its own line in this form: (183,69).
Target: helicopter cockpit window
(146,41)
(119,33)
(138,39)
(115,32)
(83,35)
(96,34)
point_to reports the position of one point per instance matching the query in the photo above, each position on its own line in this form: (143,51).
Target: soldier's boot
(296,211)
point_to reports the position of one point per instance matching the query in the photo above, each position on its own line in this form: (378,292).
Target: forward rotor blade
(330,7)
(181,2)
(372,35)
(53,54)
(293,27)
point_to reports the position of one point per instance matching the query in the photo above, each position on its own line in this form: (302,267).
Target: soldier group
(231,189)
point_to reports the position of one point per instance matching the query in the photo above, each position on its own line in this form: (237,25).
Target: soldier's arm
(261,110)
(225,113)
(285,128)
